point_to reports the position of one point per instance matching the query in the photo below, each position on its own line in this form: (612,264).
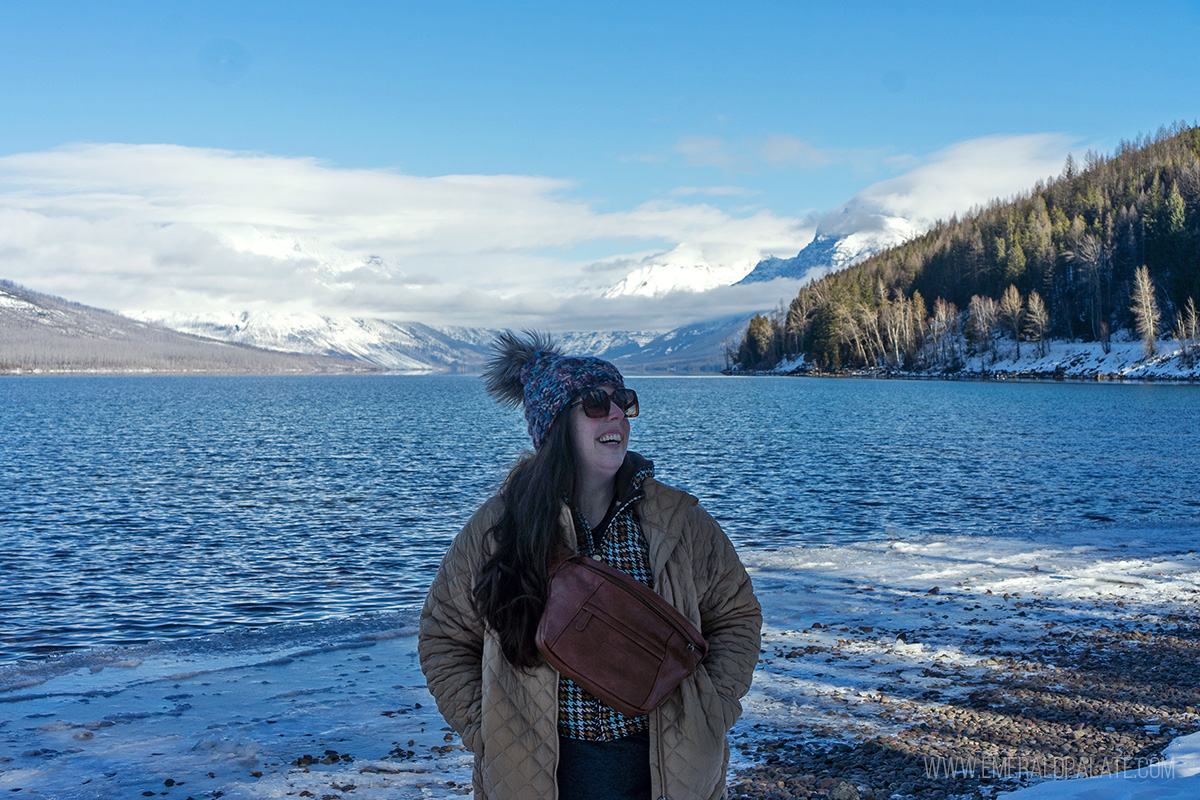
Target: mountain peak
(844,238)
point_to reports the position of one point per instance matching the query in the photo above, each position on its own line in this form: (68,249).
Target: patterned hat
(534,373)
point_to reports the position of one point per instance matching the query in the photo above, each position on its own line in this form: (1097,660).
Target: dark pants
(616,770)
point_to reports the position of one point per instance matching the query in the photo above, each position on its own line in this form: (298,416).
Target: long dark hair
(510,594)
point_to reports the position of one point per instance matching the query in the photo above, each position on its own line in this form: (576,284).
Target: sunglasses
(597,402)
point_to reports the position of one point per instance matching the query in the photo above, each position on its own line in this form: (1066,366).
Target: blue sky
(645,125)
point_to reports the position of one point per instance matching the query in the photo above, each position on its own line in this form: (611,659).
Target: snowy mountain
(699,347)
(686,268)
(415,347)
(399,346)
(842,245)
(41,333)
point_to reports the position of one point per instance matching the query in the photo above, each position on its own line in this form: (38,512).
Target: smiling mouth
(610,438)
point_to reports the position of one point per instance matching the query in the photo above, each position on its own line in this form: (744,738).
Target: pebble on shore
(1080,702)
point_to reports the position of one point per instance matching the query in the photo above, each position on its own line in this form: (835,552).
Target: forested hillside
(1112,244)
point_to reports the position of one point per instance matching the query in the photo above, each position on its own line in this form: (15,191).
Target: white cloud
(955,180)
(164,227)
(170,228)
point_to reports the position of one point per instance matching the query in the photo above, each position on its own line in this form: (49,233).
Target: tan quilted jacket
(509,717)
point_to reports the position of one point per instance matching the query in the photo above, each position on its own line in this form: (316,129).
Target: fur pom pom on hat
(532,372)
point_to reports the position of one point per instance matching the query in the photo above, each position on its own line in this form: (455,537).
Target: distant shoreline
(366,369)
(1061,362)
(976,377)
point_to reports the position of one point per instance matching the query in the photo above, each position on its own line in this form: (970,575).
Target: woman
(534,733)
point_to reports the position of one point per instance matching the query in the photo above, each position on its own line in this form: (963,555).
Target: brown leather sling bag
(616,637)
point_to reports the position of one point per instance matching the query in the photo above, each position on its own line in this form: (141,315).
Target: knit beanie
(532,372)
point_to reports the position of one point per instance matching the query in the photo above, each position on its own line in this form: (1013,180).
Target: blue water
(135,509)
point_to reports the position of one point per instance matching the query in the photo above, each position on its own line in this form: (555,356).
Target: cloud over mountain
(171,228)
(952,181)
(178,228)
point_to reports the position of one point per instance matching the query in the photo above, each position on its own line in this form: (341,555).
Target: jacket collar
(635,470)
(658,507)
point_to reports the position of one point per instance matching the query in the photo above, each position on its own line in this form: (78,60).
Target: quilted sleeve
(730,614)
(450,640)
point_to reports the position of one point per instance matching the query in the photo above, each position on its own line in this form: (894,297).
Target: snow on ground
(854,631)
(1125,360)
(1177,775)
(340,709)
(249,716)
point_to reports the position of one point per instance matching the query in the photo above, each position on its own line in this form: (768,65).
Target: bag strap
(558,556)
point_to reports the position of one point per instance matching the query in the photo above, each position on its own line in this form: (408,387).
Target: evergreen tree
(826,349)
(1015,268)
(1175,246)
(758,347)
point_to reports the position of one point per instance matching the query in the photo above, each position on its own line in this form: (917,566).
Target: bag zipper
(657,611)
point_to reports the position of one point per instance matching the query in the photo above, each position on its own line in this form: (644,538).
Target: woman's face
(600,444)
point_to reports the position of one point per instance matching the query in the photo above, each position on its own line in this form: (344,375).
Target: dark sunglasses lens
(626,400)
(595,403)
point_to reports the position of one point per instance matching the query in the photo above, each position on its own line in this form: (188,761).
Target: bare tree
(1013,312)
(729,349)
(1187,332)
(892,318)
(1145,309)
(850,331)
(1037,322)
(944,335)
(869,322)
(915,325)
(798,321)
(982,315)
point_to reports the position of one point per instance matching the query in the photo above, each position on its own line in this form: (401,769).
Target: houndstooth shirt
(621,545)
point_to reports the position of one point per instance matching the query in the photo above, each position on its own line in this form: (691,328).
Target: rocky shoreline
(1039,662)
(1075,706)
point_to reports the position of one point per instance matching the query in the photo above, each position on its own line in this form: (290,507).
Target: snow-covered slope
(843,244)
(41,333)
(686,268)
(401,346)
(414,347)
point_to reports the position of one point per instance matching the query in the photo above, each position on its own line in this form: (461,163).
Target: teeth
(610,438)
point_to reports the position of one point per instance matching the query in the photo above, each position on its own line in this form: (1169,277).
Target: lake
(137,509)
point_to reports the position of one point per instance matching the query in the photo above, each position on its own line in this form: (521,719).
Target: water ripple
(150,508)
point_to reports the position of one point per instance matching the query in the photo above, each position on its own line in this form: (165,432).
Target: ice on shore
(1177,775)
(321,708)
